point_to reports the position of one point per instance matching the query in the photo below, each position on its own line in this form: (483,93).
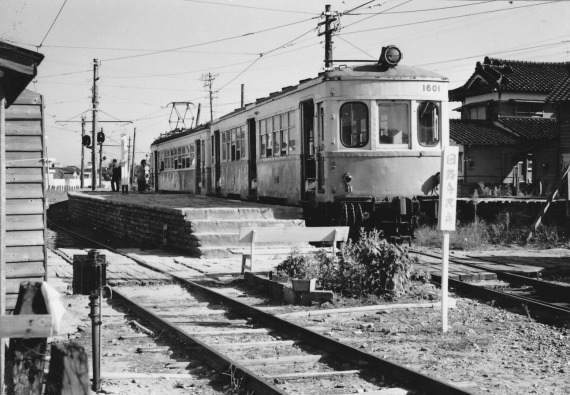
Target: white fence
(71,184)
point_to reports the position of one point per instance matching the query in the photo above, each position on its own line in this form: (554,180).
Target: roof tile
(470,132)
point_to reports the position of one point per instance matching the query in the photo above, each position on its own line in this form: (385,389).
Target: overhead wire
(52,24)
(234,37)
(378,13)
(445,18)
(424,9)
(217,3)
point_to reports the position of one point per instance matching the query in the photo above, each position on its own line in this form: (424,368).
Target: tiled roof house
(507,132)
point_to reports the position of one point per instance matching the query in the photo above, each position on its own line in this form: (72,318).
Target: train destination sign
(448,188)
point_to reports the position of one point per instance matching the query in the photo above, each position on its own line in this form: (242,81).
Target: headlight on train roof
(390,56)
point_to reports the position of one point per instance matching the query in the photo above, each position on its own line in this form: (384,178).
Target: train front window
(428,123)
(394,122)
(354,124)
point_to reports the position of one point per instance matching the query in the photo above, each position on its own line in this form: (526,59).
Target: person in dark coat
(115,176)
(141,176)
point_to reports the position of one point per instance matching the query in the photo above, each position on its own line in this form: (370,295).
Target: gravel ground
(487,349)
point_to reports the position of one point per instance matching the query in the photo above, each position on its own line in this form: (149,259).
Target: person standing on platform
(115,176)
(141,178)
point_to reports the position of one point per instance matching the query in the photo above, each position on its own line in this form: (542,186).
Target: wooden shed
(25,193)
(22,200)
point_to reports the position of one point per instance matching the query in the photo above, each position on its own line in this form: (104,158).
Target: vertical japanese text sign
(448,188)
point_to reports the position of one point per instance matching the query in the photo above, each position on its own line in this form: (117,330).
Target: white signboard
(448,188)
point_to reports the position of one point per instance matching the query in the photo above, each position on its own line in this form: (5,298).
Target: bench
(268,236)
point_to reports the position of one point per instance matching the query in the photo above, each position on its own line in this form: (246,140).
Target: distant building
(507,133)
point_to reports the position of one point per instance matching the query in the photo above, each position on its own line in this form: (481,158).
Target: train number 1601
(430,88)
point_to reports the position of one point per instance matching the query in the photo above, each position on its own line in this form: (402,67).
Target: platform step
(235,224)
(242,213)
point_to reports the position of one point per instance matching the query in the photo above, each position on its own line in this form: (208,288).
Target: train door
(198,170)
(156,170)
(308,160)
(252,152)
(320,144)
(217,164)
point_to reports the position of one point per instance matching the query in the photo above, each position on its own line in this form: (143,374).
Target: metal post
(100,161)
(130,177)
(95,103)
(133,157)
(2,227)
(97,261)
(82,151)
(444,281)
(210,80)
(242,95)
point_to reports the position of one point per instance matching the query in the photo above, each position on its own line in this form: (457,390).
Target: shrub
(368,266)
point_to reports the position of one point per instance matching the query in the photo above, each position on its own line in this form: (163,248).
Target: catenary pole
(95,103)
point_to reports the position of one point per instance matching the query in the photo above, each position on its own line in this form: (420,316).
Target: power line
(210,41)
(378,13)
(445,18)
(217,3)
(354,46)
(52,23)
(424,9)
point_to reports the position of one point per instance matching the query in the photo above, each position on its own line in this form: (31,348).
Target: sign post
(446,223)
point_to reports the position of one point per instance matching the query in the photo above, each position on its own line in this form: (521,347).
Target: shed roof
(471,132)
(561,92)
(18,66)
(531,128)
(511,76)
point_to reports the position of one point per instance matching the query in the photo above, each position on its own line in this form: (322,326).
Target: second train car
(354,146)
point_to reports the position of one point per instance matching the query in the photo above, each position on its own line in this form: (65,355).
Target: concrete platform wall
(141,224)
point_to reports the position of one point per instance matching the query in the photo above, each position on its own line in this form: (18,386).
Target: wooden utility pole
(133,157)
(329,19)
(95,103)
(208,83)
(82,151)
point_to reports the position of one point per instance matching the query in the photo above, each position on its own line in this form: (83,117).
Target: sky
(154,52)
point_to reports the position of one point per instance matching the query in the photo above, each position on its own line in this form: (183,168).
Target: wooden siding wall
(25,199)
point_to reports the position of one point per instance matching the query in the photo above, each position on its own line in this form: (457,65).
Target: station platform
(200,226)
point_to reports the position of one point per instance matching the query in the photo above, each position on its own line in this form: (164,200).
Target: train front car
(380,132)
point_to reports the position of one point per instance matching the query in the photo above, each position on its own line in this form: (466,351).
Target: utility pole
(133,166)
(208,83)
(95,102)
(82,150)
(329,19)
(242,101)
(100,161)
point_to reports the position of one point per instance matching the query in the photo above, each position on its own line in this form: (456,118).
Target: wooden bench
(269,236)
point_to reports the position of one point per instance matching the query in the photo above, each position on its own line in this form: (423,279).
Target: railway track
(258,350)
(546,301)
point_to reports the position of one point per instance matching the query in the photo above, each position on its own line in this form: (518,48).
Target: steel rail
(548,287)
(371,364)
(545,286)
(553,312)
(216,360)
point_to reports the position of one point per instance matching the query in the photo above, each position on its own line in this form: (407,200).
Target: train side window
(269,141)
(354,124)
(233,144)
(262,138)
(394,122)
(428,123)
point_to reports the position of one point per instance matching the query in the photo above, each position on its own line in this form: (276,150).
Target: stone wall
(141,224)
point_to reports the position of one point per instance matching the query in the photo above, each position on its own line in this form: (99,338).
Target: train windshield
(428,123)
(394,122)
